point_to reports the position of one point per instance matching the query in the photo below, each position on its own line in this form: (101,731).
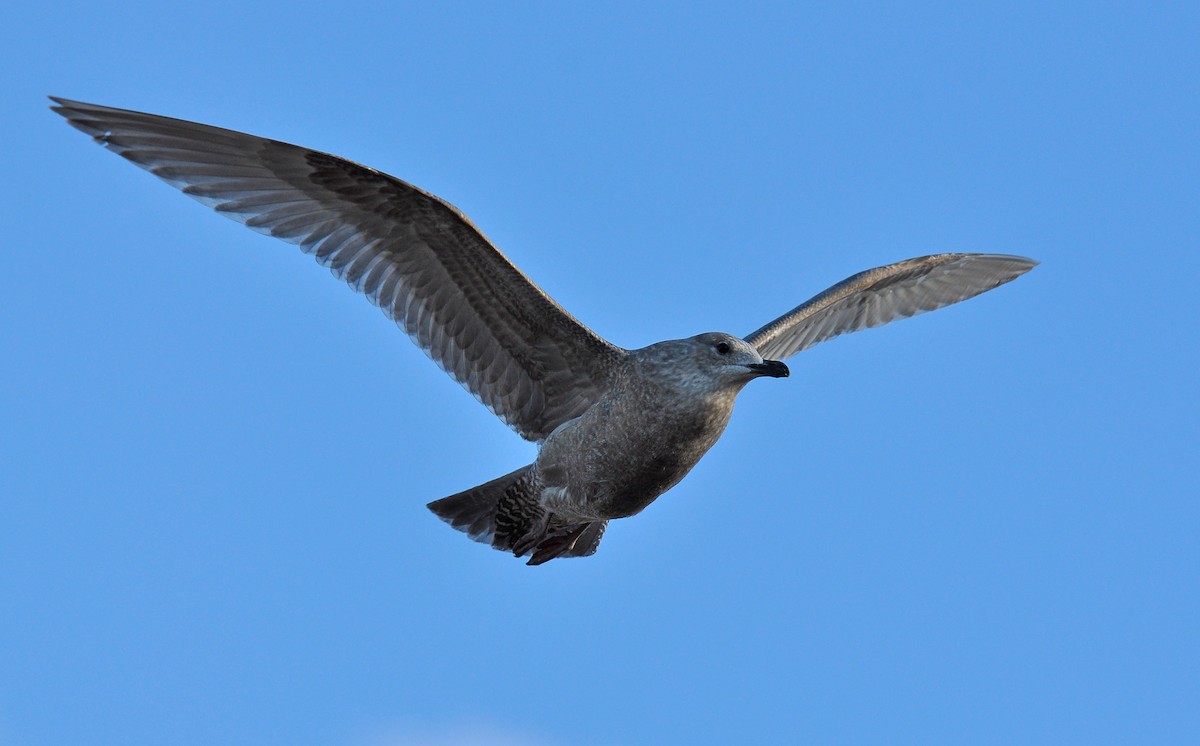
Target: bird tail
(474,511)
(505,513)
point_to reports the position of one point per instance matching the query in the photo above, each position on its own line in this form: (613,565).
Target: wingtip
(1013,266)
(69,106)
(1018,265)
(1014,258)
(1024,264)
(66,107)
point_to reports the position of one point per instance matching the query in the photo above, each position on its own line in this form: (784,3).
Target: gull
(615,428)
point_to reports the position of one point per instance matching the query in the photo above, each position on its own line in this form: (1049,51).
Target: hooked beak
(772,368)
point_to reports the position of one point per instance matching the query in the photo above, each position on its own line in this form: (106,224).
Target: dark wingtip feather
(64,106)
(75,112)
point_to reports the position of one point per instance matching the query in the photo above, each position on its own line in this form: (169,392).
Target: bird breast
(625,451)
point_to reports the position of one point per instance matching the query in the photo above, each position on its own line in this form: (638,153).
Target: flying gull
(616,428)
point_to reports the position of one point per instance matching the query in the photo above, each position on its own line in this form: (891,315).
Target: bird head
(714,361)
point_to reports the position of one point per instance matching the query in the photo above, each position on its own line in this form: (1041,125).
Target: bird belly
(598,470)
(641,485)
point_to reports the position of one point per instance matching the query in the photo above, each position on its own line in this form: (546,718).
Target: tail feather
(474,511)
(506,514)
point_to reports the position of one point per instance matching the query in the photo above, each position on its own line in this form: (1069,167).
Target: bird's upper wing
(883,294)
(416,257)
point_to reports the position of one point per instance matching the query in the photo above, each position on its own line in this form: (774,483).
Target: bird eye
(723,348)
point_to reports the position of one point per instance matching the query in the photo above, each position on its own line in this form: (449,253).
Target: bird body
(665,407)
(615,428)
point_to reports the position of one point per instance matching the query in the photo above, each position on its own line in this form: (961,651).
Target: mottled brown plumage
(616,428)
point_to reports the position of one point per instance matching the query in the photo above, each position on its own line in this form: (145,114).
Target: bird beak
(772,368)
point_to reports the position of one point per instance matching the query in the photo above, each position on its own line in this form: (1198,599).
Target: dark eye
(723,348)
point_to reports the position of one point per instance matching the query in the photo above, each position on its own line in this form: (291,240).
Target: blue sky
(977,526)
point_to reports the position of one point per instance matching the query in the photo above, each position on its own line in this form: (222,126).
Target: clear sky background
(977,526)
